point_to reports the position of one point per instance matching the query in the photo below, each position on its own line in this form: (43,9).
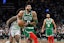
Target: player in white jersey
(14,30)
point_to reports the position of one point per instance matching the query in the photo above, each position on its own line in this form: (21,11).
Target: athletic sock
(52,39)
(49,39)
(34,37)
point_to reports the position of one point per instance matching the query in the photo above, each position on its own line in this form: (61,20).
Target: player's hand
(25,24)
(55,31)
(42,31)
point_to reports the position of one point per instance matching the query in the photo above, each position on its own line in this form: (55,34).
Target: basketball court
(25,41)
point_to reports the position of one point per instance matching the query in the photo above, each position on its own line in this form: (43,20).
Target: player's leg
(17,36)
(49,39)
(11,39)
(49,33)
(11,36)
(52,36)
(52,39)
(34,37)
(28,36)
(11,33)
(29,40)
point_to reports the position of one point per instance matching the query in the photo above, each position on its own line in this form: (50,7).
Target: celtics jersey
(29,28)
(27,17)
(14,26)
(49,27)
(49,23)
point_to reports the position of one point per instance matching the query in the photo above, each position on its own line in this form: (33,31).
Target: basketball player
(14,29)
(48,24)
(30,19)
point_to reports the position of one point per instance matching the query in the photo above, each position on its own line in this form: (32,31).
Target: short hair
(27,4)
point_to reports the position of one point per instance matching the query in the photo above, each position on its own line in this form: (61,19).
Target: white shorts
(14,32)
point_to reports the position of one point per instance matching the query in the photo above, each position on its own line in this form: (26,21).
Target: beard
(48,17)
(29,10)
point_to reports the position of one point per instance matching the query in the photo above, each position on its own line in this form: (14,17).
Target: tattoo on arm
(35,20)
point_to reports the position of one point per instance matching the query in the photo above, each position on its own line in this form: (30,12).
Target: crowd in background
(54,7)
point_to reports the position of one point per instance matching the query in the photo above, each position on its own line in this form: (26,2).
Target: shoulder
(45,20)
(33,12)
(52,19)
(14,17)
(20,13)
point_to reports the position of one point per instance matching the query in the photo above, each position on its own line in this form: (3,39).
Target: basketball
(21,23)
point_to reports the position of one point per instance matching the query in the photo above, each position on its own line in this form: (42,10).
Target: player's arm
(35,20)
(8,23)
(19,15)
(43,26)
(54,25)
(19,18)
(11,20)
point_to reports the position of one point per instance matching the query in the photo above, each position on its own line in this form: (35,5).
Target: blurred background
(9,8)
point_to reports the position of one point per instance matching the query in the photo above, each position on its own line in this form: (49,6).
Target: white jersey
(14,26)
(14,29)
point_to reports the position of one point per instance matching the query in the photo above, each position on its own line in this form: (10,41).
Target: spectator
(63,29)
(1,33)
